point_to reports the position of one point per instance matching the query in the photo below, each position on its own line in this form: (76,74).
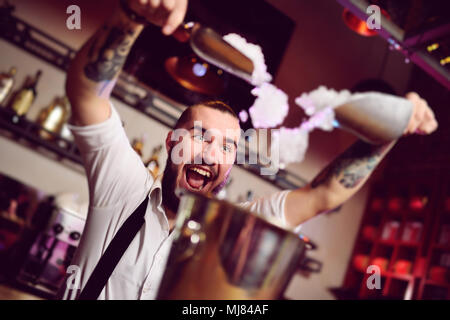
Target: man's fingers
(427,127)
(422,120)
(176,17)
(155,3)
(429,123)
(416,118)
(165,13)
(421,110)
(412,96)
(429,115)
(169,5)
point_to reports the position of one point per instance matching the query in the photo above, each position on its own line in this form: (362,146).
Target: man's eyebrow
(203,130)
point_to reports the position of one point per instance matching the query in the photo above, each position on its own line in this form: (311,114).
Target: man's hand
(344,176)
(168,14)
(422,119)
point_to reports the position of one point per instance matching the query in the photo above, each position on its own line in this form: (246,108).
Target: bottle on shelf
(25,97)
(6,83)
(53,117)
(138,145)
(152,163)
(248,196)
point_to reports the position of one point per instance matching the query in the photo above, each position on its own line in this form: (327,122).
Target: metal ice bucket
(221,251)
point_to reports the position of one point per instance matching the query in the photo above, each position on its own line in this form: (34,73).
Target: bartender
(119,182)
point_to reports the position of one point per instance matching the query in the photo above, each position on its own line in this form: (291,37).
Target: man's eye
(227,148)
(199,137)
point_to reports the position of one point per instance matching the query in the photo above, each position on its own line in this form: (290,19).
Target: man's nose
(210,153)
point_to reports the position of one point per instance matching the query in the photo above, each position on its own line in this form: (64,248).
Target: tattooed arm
(335,184)
(94,70)
(344,176)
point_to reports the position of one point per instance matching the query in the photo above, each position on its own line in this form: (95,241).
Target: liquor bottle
(138,145)
(25,96)
(53,117)
(152,163)
(6,83)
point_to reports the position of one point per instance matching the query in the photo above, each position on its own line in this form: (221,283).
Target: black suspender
(113,253)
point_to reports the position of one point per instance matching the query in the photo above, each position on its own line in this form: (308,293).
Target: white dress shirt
(118,182)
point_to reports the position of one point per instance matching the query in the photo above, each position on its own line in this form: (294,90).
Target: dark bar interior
(340,187)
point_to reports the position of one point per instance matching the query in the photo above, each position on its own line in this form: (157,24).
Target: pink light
(417,203)
(243,115)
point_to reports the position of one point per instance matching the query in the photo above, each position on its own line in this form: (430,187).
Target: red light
(358,25)
(418,203)
(395,204)
(377,204)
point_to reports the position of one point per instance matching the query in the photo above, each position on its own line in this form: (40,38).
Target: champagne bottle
(26,96)
(6,83)
(152,163)
(53,117)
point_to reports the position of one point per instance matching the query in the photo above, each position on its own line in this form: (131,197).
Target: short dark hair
(213,104)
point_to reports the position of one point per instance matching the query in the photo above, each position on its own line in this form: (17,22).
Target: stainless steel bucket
(221,251)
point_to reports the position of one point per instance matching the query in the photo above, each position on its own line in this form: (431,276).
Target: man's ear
(169,142)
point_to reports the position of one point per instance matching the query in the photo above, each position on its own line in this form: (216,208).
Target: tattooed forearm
(109,51)
(353,166)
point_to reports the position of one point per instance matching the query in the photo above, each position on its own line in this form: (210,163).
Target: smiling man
(201,148)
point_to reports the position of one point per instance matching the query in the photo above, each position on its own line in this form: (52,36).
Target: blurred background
(400,220)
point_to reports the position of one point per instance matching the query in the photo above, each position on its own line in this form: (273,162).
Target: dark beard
(169,199)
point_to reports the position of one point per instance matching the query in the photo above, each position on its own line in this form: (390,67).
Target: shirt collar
(155,197)
(156,191)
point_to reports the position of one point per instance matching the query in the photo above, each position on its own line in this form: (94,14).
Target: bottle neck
(34,82)
(12,72)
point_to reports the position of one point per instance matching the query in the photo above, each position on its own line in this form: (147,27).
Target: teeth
(202,172)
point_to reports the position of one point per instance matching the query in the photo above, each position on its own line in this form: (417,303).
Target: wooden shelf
(422,255)
(398,243)
(398,276)
(390,274)
(23,128)
(438,246)
(437,284)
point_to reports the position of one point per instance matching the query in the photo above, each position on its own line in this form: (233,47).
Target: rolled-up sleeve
(270,207)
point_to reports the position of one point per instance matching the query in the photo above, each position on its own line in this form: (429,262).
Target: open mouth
(197,178)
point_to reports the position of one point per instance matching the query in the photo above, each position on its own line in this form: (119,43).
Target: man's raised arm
(345,175)
(93,72)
